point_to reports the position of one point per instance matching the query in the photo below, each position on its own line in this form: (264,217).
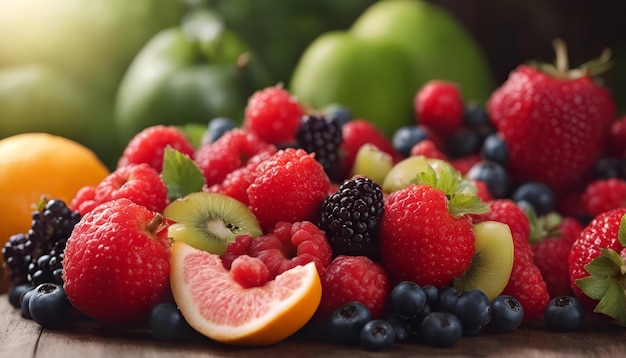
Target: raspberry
(273,114)
(353,278)
(482,191)
(358,132)
(236,183)
(465,163)
(138,182)
(249,271)
(229,152)
(235,249)
(322,136)
(427,148)
(617,138)
(84,200)
(527,285)
(289,186)
(289,245)
(439,106)
(603,195)
(351,217)
(149,145)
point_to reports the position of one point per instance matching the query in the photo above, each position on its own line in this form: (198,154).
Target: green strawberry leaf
(606,284)
(621,234)
(180,174)
(460,191)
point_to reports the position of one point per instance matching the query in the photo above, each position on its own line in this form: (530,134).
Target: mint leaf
(180,174)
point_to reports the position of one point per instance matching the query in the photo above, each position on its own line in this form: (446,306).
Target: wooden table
(20,337)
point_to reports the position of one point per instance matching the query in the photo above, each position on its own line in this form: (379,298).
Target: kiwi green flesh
(492,261)
(209,221)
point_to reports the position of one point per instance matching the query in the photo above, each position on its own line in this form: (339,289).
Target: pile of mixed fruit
(474,220)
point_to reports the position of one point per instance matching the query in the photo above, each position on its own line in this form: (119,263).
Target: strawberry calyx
(607,280)
(461,192)
(544,226)
(560,68)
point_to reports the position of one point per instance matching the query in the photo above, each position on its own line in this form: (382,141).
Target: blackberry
(322,135)
(351,216)
(35,257)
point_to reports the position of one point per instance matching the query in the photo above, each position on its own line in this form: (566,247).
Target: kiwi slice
(209,221)
(492,261)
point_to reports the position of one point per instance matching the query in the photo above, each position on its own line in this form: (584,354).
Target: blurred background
(66,66)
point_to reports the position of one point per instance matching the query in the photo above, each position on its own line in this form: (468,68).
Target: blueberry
(606,168)
(402,327)
(16,292)
(216,128)
(406,137)
(432,295)
(24,302)
(448,297)
(346,323)
(507,314)
(494,149)
(407,299)
(416,321)
(49,306)
(377,335)
(475,115)
(168,324)
(339,112)
(537,194)
(464,142)
(473,310)
(564,314)
(493,175)
(440,329)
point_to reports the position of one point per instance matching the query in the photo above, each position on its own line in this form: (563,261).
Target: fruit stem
(562,60)
(155,224)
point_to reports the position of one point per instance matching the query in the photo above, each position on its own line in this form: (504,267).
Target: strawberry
(603,195)
(439,106)
(526,282)
(596,265)
(418,223)
(554,121)
(551,242)
(116,262)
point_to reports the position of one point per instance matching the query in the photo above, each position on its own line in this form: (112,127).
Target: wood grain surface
(20,337)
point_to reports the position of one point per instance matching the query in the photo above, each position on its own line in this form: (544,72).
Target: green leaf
(441,175)
(461,204)
(613,303)
(602,267)
(593,287)
(180,174)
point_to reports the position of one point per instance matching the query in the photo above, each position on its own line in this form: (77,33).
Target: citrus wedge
(217,306)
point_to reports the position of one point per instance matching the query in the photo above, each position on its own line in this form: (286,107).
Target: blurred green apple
(431,42)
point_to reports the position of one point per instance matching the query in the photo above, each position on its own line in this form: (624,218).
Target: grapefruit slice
(214,304)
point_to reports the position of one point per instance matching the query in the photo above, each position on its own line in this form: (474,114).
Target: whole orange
(36,164)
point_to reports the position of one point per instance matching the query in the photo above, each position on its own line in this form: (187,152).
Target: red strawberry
(84,200)
(358,132)
(228,153)
(140,183)
(149,145)
(353,278)
(273,114)
(116,262)
(596,265)
(417,225)
(551,246)
(603,195)
(289,186)
(554,122)
(526,282)
(439,106)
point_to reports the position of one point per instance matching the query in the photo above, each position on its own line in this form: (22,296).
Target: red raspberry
(273,114)
(236,183)
(149,145)
(289,186)
(84,200)
(482,191)
(427,148)
(229,152)
(617,138)
(508,212)
(116,262)
(138,182)
(603,195)
(439,106)
(249,271)
(358,132)
(551,254)
(353,278)
(289,245)
(236,248)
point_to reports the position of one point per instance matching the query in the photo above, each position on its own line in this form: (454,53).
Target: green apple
(337,68)
(368,76)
